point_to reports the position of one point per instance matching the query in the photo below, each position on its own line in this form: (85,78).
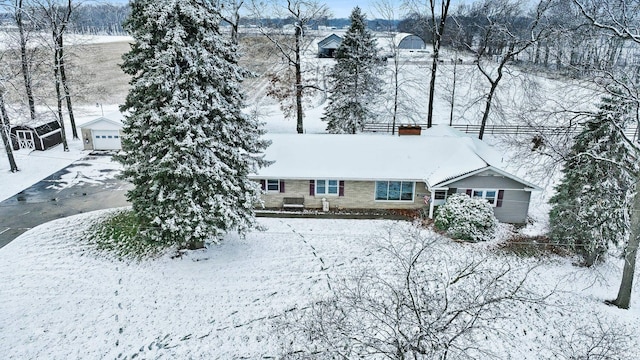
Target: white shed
(102,134)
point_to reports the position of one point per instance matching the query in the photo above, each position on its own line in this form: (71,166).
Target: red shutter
(312,187)
(341,188)
(469,192)
(500,196)
(281,186)
(263,184)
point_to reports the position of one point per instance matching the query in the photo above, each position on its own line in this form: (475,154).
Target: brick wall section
(357,195)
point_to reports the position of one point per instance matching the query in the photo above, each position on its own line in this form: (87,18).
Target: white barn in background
(408,41)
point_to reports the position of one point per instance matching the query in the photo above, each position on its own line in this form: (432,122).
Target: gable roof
(438,156)
(42,128)
(102,123)
(332,41)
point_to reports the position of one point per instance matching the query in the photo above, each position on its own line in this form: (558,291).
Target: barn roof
(330,42)
(399,37)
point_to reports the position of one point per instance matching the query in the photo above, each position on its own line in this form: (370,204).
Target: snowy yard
(61,300)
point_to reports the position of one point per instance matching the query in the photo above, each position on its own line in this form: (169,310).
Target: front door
(25,139)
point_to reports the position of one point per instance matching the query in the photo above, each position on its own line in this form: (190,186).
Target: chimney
(409,130)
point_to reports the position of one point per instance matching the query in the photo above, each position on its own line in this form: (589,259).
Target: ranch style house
(376,171)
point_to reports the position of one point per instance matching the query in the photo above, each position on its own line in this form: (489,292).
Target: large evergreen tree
(355,79)
(187,147)
(592,202)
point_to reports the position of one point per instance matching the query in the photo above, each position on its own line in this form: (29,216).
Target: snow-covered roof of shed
(438,155)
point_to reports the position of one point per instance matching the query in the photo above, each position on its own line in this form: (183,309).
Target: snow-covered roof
(330,42)
(438,155)
(415,40)
(102,123)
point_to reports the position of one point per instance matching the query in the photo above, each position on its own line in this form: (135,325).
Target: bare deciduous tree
(5,130)
(20,10)
(230,13)
(500,40)
(290,46)
(438,15)
(58,17)
(420,301)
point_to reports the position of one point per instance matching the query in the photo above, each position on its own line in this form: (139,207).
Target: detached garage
(102,134)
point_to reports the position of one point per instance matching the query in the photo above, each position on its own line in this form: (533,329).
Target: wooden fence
(500,129)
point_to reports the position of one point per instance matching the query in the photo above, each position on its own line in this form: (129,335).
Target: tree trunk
(438,30)
(65,85)
(5,129)
(26,69)
(487,110)
(432,87)
(624,293)
(453,91)
(396,62)
(299,113)
(56,74)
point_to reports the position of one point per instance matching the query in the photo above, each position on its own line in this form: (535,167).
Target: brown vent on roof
(409,130)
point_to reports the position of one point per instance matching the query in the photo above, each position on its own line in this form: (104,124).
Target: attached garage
(102,134)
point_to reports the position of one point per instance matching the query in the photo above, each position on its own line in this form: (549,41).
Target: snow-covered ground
(37,165)
(62,300)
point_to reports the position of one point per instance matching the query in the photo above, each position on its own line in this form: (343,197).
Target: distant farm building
(36,137)
(328,46)
(408,41)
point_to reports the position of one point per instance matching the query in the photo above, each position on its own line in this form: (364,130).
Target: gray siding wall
(515,206)
(515,202)
(357,195)
(487,180)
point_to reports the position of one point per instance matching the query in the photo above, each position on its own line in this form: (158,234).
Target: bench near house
(372,171)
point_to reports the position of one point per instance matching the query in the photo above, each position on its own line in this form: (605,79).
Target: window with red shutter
(312,187)
(500,197)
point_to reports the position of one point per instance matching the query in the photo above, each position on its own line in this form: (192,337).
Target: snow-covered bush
(464,218)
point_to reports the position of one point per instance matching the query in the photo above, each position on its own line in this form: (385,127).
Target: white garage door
(106,139)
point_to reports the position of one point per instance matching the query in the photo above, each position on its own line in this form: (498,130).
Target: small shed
(102,134)
(328,46)
(408,41)
(39,137)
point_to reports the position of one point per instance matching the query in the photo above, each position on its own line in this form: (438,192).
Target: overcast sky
(339,8)
(342,8)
